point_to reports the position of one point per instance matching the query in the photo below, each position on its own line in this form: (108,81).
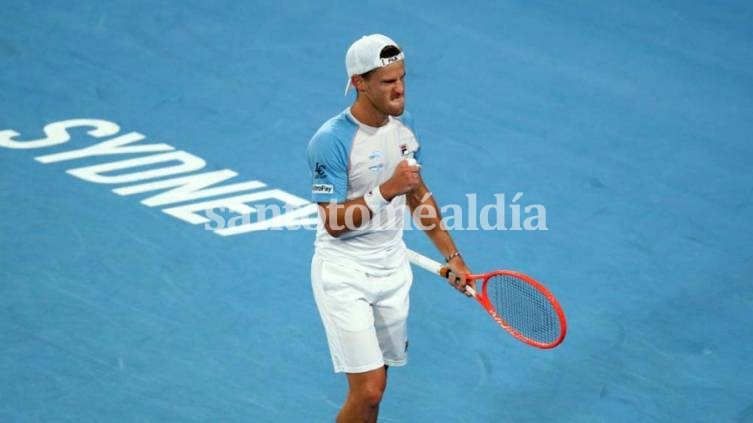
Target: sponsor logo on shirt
(405,153)
(320,171)
(323,189)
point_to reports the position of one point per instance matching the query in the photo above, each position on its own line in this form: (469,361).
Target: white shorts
(364,316)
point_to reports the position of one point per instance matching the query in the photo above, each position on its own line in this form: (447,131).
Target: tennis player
(365,166)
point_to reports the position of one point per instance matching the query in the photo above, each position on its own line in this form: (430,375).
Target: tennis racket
(517,302)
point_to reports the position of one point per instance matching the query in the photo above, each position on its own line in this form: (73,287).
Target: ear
(358,82)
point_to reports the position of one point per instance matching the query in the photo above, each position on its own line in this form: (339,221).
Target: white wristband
(374,200)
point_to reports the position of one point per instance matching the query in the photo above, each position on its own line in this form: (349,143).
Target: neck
(367,114)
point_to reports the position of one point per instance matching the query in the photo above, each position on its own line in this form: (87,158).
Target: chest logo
(376,161)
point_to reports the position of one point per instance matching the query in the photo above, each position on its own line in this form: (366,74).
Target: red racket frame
(483,299)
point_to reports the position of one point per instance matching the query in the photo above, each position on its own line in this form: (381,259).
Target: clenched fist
(405,179)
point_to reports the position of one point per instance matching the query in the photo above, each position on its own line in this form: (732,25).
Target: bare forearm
(352,214)
(340,218)
(426,211)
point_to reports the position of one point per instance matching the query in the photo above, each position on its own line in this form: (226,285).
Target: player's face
(385,89)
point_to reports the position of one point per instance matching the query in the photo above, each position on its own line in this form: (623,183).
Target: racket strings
(526,309)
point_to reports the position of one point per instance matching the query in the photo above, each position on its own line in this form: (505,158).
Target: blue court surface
(629,122)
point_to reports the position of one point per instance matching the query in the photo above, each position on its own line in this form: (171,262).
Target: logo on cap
(386,61)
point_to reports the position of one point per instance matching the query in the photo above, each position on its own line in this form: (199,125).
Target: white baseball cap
(363,55)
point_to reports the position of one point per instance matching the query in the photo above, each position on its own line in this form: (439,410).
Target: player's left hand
(457,277)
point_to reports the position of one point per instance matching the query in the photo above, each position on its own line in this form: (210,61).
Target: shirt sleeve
(328,163)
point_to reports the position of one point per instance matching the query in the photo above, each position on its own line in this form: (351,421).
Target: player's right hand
(405,179)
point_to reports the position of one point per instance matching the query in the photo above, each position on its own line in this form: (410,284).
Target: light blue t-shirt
(347,159)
